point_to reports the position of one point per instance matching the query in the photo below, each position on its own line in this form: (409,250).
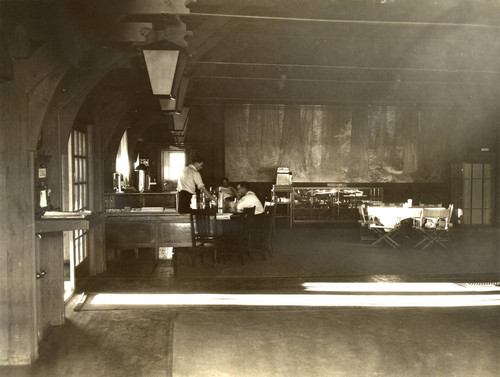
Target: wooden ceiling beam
(371,32)
(347,21)
(332,72)
(209,34)
(393,81)
(152,7)
(422,12)
(359,54)
(332,92)
(129,32)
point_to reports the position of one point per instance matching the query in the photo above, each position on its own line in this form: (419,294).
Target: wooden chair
(261,232)
(235,235)
(204,235)
(249,211)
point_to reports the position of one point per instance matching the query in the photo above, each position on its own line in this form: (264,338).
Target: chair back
(448,216)
(247,217)
(438,218)
(270,213)
(249,211)
(203,225)
(362,215)
(434,213)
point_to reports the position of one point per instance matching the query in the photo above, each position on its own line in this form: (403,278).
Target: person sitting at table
(228,192)
(247,199)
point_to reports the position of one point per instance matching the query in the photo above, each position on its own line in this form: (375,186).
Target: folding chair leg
(428,240)
(386,237)
(174,263)
(388,240)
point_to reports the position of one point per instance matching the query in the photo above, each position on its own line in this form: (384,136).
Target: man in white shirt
(247,199)
(188,181)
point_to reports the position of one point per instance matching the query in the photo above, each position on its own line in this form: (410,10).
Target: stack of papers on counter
(152,209)
(66,214)
(223,216)
(147,209)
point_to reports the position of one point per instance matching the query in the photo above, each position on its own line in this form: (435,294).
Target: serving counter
(167,199)
(134,230)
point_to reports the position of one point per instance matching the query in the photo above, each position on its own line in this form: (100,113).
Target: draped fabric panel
(337,143)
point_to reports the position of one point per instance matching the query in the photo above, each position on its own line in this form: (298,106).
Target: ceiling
(283,51)
(344,51)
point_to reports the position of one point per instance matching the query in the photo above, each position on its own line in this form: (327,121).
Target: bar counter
(141,199)
(134,230)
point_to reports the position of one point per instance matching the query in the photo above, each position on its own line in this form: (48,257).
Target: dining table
(386,222)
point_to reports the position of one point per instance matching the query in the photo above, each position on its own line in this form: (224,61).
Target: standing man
(189,180)
(247,199)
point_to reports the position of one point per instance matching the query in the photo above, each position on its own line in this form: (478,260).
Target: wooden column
(496,210)
(18,329)
(97,252)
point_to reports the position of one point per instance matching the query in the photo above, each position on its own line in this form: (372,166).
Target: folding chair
(365,233)
(377,232)
(434,226)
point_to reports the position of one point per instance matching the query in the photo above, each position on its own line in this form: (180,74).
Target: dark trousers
(184,201)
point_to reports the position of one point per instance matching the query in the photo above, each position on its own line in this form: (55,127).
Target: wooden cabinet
(472,192)
(136,230)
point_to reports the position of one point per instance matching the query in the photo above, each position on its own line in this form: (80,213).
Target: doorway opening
(172,162)
(76,241)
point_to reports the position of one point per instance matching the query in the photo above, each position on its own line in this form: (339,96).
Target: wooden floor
(337,252)
(250,341)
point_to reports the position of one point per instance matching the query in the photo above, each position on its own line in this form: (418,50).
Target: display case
(331,203)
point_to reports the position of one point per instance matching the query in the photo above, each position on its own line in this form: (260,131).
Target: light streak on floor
(295,300)
(398,287)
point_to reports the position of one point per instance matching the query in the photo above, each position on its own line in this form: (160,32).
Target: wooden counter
(129,230)
(63,224)
(166,199)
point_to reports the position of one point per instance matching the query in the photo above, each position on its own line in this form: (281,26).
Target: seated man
(247,199)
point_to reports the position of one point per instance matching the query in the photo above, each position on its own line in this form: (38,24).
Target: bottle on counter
(220,200)
(201,204)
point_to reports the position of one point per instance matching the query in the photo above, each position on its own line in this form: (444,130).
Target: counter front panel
(139,230)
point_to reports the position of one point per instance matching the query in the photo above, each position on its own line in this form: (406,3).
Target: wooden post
(18,316)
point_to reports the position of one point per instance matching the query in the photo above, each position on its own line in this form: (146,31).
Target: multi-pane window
(79,189)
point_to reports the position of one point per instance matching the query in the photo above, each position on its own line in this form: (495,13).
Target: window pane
(78,151)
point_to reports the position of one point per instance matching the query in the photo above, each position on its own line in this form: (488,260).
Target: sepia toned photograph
(249,188)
